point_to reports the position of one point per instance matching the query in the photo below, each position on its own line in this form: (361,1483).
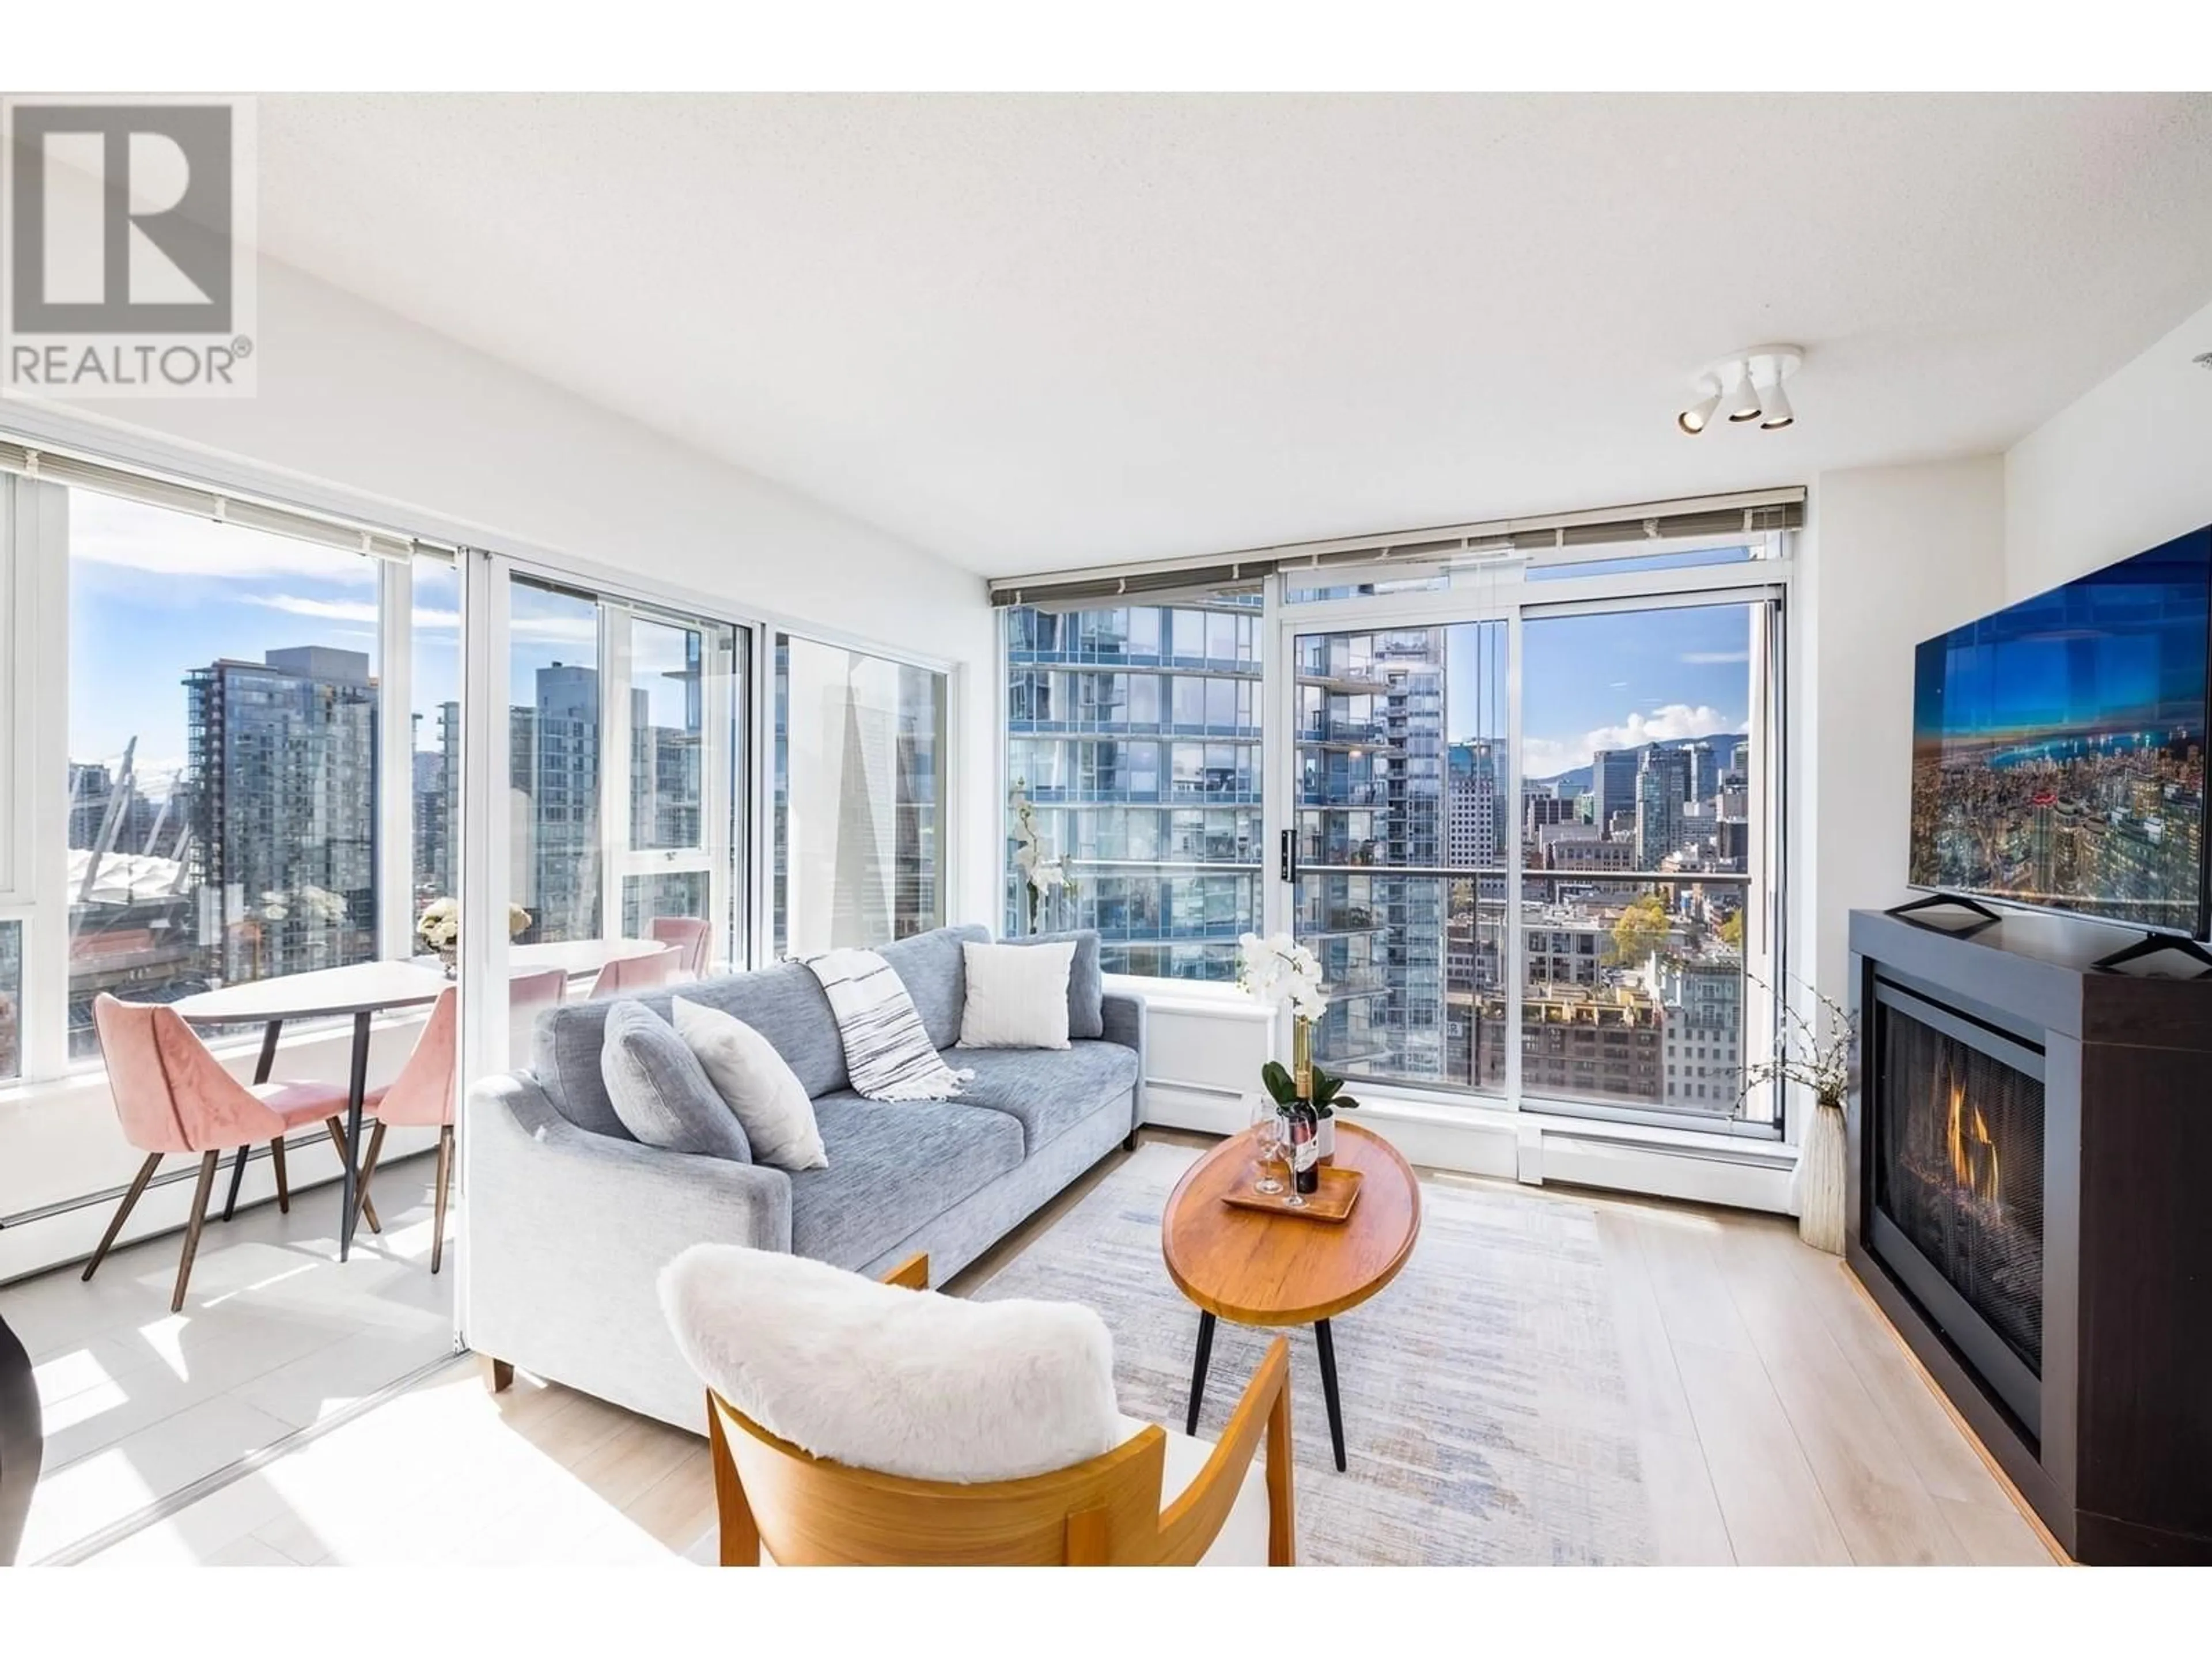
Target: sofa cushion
(894,1166)
(1086,981)
(1016,997)
(1048,1090)
(757,1084)
(659,1091)
(784,1004)
(929,966)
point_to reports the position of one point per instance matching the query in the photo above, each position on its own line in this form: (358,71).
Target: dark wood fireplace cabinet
(2031,1205)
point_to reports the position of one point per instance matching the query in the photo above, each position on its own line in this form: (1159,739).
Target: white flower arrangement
(1279,971)
(440,925)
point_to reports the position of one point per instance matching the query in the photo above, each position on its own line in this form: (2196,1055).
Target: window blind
(1748,513)
(253,513)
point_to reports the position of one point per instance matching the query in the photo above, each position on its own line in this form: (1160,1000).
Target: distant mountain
(1579,781)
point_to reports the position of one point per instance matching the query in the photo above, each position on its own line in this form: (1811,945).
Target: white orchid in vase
(1043,872)
(1279,971)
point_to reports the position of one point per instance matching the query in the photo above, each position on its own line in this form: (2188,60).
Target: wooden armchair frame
(1103,1512)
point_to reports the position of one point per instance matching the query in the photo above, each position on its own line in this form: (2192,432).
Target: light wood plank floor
(1779,1418)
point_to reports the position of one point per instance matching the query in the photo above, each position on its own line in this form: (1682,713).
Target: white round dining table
(363,990)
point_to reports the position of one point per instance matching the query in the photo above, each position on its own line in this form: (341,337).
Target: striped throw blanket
(888,1053)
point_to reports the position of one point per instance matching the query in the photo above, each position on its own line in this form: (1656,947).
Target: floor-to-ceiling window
(224,707)
(1523,805)
(1133,748)
(860,750)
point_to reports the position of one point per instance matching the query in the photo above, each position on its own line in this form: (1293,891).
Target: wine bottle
(1305,1134)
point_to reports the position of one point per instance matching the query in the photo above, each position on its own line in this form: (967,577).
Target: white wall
(2122,468)
(1894,554)
(359,409)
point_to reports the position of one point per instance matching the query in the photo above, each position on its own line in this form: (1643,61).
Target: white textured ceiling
(1029,332)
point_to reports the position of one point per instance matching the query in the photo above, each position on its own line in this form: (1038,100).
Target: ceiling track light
(1699,416)
(1745,386)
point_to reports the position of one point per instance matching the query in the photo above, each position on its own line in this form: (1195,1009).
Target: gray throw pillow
(661,1092)
(1086,984)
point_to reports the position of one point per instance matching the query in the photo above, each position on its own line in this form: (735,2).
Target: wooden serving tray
(1338,1192)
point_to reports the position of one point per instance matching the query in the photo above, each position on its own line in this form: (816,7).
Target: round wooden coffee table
(1251,1267)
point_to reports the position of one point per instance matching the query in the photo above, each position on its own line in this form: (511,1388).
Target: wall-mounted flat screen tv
(2058,746)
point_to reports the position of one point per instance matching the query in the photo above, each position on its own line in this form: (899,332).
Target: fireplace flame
(1974,1154)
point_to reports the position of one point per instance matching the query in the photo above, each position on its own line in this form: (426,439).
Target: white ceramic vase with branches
(1817,1055)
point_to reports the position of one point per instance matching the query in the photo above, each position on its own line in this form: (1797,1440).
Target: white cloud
(1705,657)
(559,631)
(350,610)
(1547,758)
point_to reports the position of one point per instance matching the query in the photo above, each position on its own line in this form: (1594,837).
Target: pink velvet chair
(625,975)
(172,1095)
(529,995)
(423,1096)
(689,938)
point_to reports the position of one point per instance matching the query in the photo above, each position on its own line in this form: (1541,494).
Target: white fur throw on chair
(906,1382)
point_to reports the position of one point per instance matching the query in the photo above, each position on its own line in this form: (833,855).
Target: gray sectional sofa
(571,1220)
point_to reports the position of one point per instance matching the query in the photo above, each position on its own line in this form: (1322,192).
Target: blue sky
(1605,682)
(155,594)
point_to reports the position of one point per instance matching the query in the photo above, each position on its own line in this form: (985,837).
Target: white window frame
(714,855)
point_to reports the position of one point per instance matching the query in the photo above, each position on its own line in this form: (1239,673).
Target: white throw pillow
(757,1084)
(906,1382)
(1017,995)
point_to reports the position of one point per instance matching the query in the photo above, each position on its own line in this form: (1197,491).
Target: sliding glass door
(1529,833)
(1400,817)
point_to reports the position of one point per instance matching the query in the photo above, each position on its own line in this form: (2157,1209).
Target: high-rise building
(553,757)
(437,814)
(1135,734)
(1612,785)
(1662,782)
(1471,838)
(1542,810)
(1705,781)
(1701,1012)
(282,766)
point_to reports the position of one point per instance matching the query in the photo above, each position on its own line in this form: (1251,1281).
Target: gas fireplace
(2031,1147)
(1958,1183)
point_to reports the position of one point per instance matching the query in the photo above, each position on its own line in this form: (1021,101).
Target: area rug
(1486,1417)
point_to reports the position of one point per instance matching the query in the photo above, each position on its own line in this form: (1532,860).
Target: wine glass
(1267,1146)
(1299,1153)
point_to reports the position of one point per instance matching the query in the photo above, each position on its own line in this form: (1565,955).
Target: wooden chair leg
(200,1197)
(498,1374)
(283,1186)
(445,1178)
(123,1212)
(338,1140)
(740,1535)
(1282,1507)
(368,1166)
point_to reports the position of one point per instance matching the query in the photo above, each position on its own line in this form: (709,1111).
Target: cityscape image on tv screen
(2058,745)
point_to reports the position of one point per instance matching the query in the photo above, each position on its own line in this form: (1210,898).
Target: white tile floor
(275,1335)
